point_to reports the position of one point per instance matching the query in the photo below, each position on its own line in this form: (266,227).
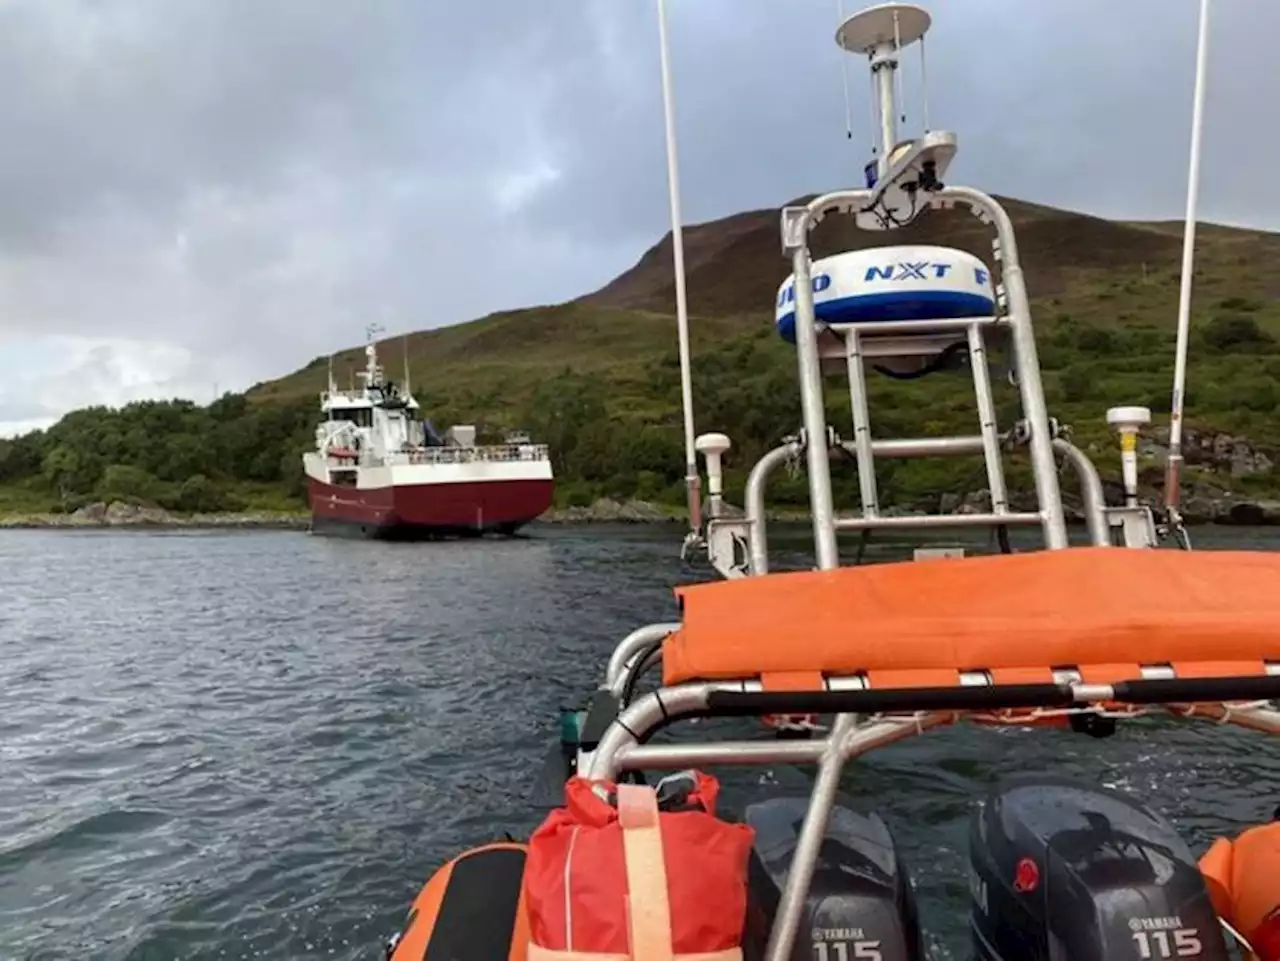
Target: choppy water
(238,745)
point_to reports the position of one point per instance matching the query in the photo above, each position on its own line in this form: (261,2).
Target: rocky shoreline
(120,514)
(1199,508)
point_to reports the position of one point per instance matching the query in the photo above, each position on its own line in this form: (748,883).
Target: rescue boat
(1087,638)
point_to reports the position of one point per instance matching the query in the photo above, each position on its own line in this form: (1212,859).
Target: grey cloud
(256,179)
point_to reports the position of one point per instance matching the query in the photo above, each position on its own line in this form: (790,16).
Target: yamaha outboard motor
(1063,871)
(860,904)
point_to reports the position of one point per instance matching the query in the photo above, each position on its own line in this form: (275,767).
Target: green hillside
(598,378)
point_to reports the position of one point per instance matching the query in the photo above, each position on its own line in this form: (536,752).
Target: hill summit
(597,377)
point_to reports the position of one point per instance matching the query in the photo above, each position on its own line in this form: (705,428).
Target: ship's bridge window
(360,416)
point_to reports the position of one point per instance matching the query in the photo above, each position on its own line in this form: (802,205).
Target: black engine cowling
(1063,871)
(860,905)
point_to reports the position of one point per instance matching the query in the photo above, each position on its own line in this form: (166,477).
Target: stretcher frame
(867,719)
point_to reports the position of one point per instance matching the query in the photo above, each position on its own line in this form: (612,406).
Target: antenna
(372,373)
(900,170)
(682,310)
(1173,466)
(405,342)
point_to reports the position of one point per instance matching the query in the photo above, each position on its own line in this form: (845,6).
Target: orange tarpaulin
(1209,613)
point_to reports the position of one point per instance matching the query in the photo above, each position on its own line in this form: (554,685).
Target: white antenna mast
(1172,479)
(682,310)
(404,340)
(899,171)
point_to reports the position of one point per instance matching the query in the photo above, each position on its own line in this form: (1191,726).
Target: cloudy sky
(199,194)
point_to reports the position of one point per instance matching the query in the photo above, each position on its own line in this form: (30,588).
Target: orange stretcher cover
(1217,612)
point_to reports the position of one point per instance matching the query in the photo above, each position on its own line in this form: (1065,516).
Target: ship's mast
(404,340)
(333,389)
(372,373)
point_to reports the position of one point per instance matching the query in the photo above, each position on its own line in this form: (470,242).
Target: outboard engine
(1064,871)
(860,905)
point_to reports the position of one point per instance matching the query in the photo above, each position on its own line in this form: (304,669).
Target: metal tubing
(904,328)
(884,65)
(861,425)
(936,521)
(987,420)
(643,715)
(826,553)
(757,534)
(1024,346)
(656,757)
(642,757)
(786,921)
(904,448)
(623,656)
(1095,498)
(618,750)
(1172,483)
(692,480)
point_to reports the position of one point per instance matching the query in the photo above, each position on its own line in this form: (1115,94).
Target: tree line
(238,452)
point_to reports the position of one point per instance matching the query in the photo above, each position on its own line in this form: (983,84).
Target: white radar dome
(891,283)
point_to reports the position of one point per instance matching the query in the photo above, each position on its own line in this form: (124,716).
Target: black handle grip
(1180,690)
(984,698)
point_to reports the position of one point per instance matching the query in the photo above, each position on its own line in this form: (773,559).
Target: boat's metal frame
(614,736)
(866,719)
(738,547)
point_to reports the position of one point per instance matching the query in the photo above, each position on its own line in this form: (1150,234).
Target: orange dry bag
(1243,877)
(627,871)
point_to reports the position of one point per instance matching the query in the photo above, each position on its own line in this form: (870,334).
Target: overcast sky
(199,194)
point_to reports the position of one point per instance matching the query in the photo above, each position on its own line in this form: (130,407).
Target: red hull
(428,510)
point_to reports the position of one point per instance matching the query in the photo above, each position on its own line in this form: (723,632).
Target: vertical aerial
(677,252)
(1173,479)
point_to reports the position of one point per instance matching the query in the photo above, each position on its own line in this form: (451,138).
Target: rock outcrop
(607,510)
(121,514)
(1215,451)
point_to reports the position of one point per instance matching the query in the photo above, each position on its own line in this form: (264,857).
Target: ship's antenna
(405,344)
(682,310)
(1172,479)
(333,389)
(844,79)
(371,373)
(924,87)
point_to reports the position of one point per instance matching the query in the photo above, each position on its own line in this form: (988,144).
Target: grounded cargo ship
(380,470)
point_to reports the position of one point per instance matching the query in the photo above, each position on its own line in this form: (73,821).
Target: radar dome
(891,283)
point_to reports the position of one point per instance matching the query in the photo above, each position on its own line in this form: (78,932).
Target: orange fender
(1241,875)
(471,909)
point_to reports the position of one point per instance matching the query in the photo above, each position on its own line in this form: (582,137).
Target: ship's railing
(496,453)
